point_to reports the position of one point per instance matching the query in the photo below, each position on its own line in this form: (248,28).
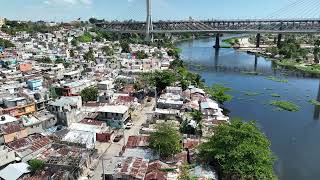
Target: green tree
(74,42)
(88,56)
(218,93)
(174,52)
(44,60)
(316,52)
(161,79)
(197,116)
(59,60)
(71,53)
(141,55)
(273,50)
(185,128)
(93,20)
(35,165)
(165,141)
(125,47)
(241,150)
(89,94)
(85,38)
(177,63)
(108,50)
(5,43)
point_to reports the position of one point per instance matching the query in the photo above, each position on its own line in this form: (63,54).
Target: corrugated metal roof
(14,171)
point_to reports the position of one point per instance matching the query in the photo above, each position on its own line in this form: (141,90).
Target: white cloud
(67,2)
(47,2)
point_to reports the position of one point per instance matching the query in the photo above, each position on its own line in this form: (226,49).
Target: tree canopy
(44,60)
(241,150)
(165,141)
(125,46)
(5,43)
(218,93)
(89,94)
(108,50)
(142,55)
(88,56)
(36,165)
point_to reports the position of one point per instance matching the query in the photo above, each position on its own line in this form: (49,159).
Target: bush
(165,141)
(36,165)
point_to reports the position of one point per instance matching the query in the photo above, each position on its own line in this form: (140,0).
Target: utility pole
(103,174)
(149,21)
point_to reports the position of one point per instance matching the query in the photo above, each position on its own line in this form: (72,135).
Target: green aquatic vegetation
(272,78)
(285,105)
(248,93)
(314,102)
(254,73)
(275,95)
(268,89)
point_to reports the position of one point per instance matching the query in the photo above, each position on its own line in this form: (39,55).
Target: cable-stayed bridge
(301,16)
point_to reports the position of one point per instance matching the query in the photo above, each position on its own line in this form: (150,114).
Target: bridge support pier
(258,40)
(148,21)
(217,44)
(279,40)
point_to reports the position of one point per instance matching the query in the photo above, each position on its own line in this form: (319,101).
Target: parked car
(149,99)
(117,138)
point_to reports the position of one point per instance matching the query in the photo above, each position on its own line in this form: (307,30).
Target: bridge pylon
(149,26)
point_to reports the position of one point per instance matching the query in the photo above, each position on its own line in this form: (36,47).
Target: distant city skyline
(67,10)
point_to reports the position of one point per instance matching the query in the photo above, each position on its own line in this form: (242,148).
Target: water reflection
(255,63)
(316,107)
(216,59)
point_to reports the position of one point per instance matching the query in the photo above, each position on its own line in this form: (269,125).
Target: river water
(295,136)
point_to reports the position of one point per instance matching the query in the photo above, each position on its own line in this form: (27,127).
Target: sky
(67,10)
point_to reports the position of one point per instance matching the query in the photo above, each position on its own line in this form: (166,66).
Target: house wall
(104,137)
(34,84)
(6,156)
(67,118)
(35,128)
(25,67)
(16,135)
(115,120)
(20,111)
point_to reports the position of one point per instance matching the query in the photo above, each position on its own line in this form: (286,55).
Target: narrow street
(112,149)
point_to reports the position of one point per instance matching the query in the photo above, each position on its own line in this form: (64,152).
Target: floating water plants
(285,105)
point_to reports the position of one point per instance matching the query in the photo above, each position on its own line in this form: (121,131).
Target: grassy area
(275,95)
(272,78)
(314,102)
(284,105)
(312,69)
(231,41)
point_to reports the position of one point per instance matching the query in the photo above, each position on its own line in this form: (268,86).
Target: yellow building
(19,111)
(2,21)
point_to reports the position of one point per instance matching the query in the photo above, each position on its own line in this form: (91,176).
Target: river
(295,136)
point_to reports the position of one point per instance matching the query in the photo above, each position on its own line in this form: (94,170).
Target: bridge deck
(215,26)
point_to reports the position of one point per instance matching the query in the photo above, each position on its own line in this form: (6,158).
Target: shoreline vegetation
(291,59)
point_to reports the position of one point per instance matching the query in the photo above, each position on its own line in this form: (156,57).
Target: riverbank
(179,40)
(294,147)
(243,44)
